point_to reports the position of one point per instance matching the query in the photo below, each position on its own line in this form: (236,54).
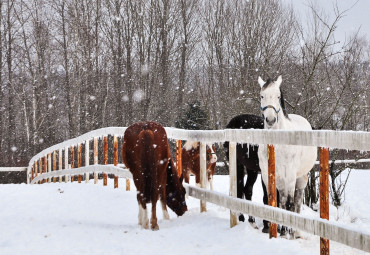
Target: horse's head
(271,98)
(211,154)
(175,191)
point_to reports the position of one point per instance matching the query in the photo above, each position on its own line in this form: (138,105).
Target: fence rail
(13,169)
(350,140)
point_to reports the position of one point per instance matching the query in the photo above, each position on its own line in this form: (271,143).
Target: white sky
(357,17)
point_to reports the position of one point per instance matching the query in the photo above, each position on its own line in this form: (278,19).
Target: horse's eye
(261,96)
(278,97)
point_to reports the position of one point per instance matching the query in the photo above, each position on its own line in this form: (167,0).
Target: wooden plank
(45,168)
(36,172)
(13,169)
(79,160)
(105,158)
(72,161)
(178,158)
(324,194)
(54,165)
(66,166)
(272,186)
(87,159)
(335,231)
(96,159)
(203,173)
(233,184)
(49,166)
(60,163)
(115,159)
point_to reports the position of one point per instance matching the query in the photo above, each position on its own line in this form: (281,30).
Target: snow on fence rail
(350,140)
(12,169)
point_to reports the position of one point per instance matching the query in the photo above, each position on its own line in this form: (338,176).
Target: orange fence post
(105,158)
(36,172)
(79,160)
(272,186)
(324,194)
(87,159)
(45,167)
(54,165)
(178,158)
(72,162)
(33,169)
(95,159)
(60,162)
(115,154)
(39,170)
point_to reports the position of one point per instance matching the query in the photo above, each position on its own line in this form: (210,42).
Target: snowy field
(91,219)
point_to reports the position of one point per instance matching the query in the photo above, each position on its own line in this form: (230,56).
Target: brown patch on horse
(146,154)
(191,161)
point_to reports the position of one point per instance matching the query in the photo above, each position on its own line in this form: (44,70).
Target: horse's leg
(240,184)
(153,219)
(248,191)
(266,223)
(166,216)
(298,198)
(286,203)
(143,215)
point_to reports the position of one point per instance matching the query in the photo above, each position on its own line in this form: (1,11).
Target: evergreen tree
(194,118)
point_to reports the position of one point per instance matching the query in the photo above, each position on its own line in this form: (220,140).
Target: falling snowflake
(138,95)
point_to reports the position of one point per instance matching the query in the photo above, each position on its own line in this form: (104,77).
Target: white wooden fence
(330,139)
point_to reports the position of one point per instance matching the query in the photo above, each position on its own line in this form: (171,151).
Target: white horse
(292,162)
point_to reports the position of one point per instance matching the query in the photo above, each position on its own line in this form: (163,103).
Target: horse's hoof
(254,225)
(265,229)
(283,232)
(241,217)
(154,227)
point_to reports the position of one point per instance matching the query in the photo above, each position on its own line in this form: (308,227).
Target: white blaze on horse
(292,162)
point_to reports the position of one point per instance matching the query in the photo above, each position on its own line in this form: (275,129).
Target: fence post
(40,170)
(79,160)
(36,172)
(115,160)
(49,166)
(32,171)
(105,158)
(95,159)
(54,165)
(178,158)
(60,162)
(232,176)
(45,170)
(87,159)
(324,194)
(72,162)
(66,163)
(203,172)
(271,186)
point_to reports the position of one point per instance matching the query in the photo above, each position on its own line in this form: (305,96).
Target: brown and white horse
(191,161)
(146,154)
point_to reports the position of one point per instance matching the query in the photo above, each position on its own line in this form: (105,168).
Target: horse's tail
(148,162)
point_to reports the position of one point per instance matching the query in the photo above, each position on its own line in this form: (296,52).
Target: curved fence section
(64,160)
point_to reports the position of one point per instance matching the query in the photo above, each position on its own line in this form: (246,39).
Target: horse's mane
(282,103)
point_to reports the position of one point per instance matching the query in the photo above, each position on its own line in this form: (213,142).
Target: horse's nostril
(270,121)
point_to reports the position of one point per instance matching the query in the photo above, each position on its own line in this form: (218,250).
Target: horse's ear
(260,81)
(279,80)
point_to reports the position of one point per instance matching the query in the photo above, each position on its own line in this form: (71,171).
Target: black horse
(247,158)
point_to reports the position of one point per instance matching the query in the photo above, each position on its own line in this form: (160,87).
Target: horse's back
(145,153)
(299,122)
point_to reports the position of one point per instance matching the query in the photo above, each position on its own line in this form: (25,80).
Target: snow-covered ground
(91,219)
